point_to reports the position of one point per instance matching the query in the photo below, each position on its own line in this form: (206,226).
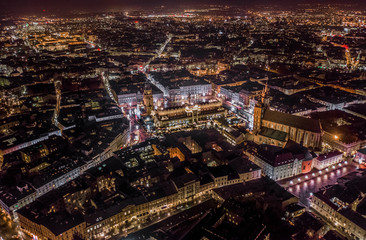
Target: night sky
(39,5)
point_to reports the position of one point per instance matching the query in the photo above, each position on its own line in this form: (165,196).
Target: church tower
(148,99)
(258,114)
(259,109)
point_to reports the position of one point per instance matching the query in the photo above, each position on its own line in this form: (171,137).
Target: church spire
(265,97)
(264,91)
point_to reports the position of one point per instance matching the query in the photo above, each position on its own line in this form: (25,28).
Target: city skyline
(38,6)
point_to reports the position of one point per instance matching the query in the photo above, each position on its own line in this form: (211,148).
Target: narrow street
(58,88)
(107,87)
(158,54)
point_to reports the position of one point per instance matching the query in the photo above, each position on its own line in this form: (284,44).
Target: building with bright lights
(181,85)
(361,155)
(280,162)
(185,115)
(341,212)
(241,94)
(349,144)
(327,159)
(53,225)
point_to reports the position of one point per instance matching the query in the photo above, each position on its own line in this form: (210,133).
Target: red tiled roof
(307,124)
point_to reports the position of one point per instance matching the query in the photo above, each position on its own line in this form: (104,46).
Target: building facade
(344,218)
(328,159)
(302,130)
(275,163)
(180,116)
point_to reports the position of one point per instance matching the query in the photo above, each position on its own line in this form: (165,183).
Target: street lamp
(336,137)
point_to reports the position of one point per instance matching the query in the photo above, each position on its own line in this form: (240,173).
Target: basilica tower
(148,99)
(259,109)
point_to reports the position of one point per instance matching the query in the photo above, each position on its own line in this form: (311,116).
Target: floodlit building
(327,159)
(175,117)
(276,128)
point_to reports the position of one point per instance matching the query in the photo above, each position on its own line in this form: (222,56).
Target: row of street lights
(320,172)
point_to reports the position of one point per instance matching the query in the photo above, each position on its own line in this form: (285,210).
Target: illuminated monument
(148,99)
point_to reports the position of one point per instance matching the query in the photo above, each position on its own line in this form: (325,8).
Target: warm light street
(304,185)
